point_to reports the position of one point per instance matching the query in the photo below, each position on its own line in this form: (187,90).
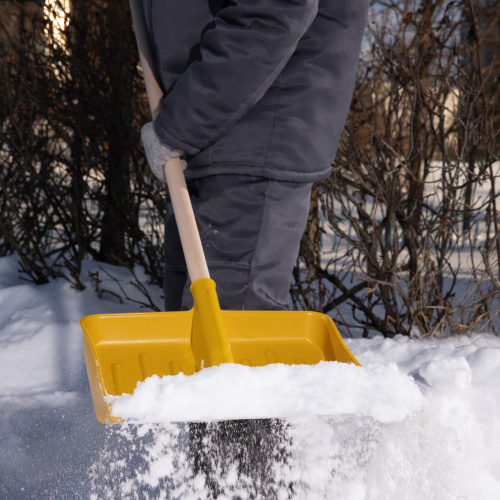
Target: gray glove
(157,153)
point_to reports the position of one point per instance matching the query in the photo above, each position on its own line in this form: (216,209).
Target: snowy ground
(436,435)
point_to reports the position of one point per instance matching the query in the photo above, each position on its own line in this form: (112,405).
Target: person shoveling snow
(255,97)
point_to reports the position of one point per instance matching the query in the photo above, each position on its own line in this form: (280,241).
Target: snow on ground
(436,434)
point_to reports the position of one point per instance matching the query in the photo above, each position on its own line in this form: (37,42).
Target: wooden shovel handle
(181,202)
(186,222)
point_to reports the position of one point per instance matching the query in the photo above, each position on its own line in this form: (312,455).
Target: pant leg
(250,229)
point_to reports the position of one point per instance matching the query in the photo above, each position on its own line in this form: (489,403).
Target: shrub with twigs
(412,193)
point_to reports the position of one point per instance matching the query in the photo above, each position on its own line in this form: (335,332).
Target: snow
(233,391)
(420,418)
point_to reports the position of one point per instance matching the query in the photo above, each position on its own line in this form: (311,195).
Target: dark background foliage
(412,187)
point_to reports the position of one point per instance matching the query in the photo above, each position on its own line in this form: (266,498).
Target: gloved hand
(157,153)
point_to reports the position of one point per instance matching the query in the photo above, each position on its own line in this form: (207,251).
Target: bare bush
(392,240)
(73,175)
(413,183)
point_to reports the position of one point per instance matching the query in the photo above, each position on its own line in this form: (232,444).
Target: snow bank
(451,449)
(233,391)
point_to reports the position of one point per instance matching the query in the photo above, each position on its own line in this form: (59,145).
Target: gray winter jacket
(257,87)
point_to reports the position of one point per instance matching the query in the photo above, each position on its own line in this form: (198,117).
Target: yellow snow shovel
(124,349)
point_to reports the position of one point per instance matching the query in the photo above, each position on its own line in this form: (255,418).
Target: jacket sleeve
(240,57)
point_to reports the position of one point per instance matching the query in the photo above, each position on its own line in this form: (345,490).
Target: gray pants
(250,229)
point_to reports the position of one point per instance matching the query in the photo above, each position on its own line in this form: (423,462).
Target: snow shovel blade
(124,349)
